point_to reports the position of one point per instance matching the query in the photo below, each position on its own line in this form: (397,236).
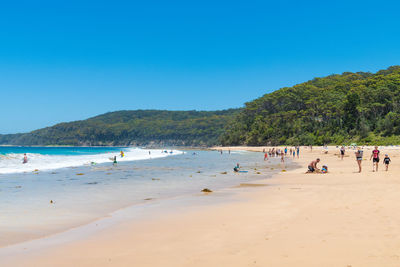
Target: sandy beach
(343,218)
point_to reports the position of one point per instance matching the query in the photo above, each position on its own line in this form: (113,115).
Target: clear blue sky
(76,59)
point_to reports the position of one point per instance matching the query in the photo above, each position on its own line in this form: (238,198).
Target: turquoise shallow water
(58,150)
(51,158)
(80,194)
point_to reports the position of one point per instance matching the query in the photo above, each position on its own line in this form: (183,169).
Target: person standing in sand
(375,158)
(342,151)
(359,156)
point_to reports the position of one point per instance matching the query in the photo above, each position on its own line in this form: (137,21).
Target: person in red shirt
(375,159)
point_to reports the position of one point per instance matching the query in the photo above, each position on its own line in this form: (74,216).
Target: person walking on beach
(359,157)
(386,161)
(294,153)
(115,160)
(265,156)
(375,158)
(342,151)
(298,151)
(285,151)
(282,157)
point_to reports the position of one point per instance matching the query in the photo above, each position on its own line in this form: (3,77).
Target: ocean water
(67,190)
(50,158)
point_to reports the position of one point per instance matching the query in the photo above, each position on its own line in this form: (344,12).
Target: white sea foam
(12,163)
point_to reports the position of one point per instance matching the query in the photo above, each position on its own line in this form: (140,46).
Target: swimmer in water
(25,159)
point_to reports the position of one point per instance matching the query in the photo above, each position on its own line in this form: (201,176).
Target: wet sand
(342,218)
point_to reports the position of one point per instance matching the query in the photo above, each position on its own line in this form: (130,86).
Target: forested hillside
(357,107)
(140,127)
(351,107)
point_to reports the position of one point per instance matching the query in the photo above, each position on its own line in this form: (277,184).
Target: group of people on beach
(277,152)
(375,157)
(312,167)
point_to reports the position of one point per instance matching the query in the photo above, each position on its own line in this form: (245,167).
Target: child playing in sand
(324,169)
(386,161)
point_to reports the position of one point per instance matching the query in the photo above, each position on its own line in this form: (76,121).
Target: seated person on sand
(312,167)
(324,169)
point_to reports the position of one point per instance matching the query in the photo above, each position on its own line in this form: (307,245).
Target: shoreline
(143,202)
(120,214)
(296,219)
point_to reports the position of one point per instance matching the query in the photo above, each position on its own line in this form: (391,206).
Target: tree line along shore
(360,107)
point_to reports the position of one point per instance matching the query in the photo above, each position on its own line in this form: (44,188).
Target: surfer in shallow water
(236,168)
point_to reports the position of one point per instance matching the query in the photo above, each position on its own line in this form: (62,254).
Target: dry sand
(338,219)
